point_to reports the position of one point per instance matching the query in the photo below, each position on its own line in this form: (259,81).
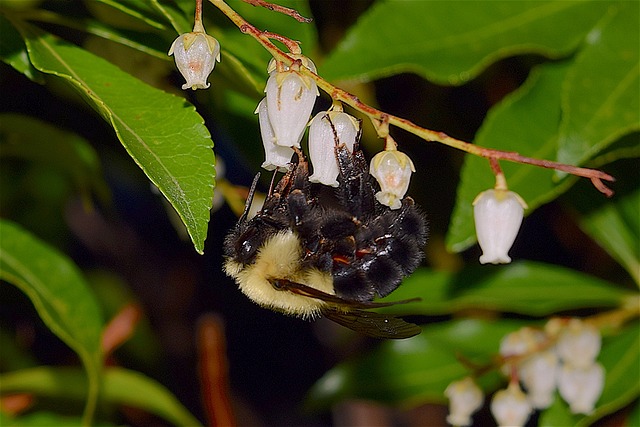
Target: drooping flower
(498,215)
(538,374)
(276,156)
(392,169)
(579,344)
(581,387)
(510,407)
(465,398)
(325,127)
(195,54)
(290,97)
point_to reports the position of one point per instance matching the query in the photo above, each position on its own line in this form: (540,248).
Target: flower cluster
(561,357)
(284,114)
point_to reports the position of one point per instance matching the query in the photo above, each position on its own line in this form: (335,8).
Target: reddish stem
(213,367)
(280,9)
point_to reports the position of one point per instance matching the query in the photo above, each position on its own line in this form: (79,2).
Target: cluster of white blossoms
(561,357)
(285,113)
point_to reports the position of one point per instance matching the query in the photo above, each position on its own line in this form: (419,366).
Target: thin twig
(596,176)
(280,9)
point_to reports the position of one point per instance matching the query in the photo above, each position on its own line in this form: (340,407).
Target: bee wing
(373,324)
(308,291)
(349,314)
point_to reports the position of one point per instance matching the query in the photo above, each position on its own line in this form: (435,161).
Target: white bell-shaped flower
(195,54)
(524,341)
(498,215)
(579,344)
(325,127)
(392,169)
(538,374)
(465,398)
(581,387)
(290,100)
(276,156)
(510,407)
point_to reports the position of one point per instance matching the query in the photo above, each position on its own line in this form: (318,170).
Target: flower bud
(325,127)
(465,398)
(498,215)
(276,156)
(579,344)
(290,100)
(538,374)
(392,169)
(581,387)
(511,407)
(195,54)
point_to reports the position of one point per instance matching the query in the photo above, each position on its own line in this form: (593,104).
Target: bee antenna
(273,181)
(252,191)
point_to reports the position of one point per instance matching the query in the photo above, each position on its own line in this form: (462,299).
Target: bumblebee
(313,250)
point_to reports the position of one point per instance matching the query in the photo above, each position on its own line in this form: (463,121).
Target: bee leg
(355,191)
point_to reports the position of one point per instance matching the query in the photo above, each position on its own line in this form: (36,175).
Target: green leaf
(120,386)
(13,51)
(416,370)
(181,23)
(616,227)
(59,293)
(452,42)
(525,121)
(600,96)
(34,140)
(138,9)
(521,287)
(45,419)
(161,132)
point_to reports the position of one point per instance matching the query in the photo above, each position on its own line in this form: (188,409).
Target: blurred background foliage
(84,235)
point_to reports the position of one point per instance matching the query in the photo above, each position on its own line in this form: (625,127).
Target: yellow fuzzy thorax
(279,258)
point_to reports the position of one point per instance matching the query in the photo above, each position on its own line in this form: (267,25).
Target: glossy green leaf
(14,52)
(616,227)
(452,42)
(521,287)
(120,386)
(633,419)
(59,293)
(33,140)
(161,132)
(526,121)
(601,99)
(181,23)
(416,370)
(139,9)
